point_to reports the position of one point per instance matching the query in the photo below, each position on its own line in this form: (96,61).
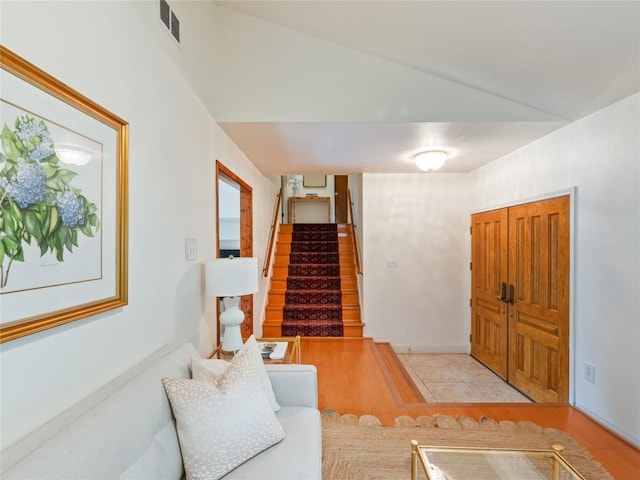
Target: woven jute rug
(360,448)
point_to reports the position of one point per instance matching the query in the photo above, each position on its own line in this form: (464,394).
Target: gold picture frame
(63,203)
(317,181)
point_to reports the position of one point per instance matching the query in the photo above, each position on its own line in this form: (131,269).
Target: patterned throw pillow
(224,423)
(202,369)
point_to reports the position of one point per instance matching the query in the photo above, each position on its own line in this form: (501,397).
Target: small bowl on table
(267,349)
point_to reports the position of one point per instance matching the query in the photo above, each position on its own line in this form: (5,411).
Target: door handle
(512,294)
(503,293)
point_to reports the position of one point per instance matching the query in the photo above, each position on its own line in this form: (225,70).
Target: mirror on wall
(234,233)
(228,218)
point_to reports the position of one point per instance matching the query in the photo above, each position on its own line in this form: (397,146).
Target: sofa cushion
(208,368)
(224,423)
(202,369)
(297,457)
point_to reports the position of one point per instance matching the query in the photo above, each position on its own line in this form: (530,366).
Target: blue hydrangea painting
(39,203)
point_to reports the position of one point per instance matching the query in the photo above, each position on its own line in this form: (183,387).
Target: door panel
(539,318)
(341,186)
(488,269)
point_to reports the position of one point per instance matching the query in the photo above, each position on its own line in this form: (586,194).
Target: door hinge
(470,338)
(471,302)
(470,265)
(470,230)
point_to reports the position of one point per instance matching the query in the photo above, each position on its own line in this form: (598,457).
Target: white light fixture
(230,278)
(430,159)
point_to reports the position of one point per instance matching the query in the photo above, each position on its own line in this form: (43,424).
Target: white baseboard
(608,426)
(460,348)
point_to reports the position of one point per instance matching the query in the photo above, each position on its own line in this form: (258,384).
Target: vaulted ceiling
(361,86)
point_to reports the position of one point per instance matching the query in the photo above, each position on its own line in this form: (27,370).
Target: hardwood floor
(362,377)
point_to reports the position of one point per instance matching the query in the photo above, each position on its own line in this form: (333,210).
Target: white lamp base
(232,318)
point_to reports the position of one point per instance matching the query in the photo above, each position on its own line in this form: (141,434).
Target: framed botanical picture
(63,202)
(314,181)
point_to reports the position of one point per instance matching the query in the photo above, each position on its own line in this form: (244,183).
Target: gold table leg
(414,460)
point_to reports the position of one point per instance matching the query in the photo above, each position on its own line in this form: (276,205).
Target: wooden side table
(292,355)
(309,209)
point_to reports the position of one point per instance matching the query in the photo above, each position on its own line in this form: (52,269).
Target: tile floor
(448,378)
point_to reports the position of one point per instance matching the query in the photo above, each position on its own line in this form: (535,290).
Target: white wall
(600,155)
(422,221)
(116,54)
(355,188)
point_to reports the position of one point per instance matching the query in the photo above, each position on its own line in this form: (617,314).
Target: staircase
(314,289)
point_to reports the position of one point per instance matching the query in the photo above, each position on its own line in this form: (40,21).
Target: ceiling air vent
(169,19)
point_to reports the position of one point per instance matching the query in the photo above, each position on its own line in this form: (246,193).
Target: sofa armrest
(294,385)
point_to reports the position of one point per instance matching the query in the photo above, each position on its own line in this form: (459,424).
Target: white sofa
(126,430)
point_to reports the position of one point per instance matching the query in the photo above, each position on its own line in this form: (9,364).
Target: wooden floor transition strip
(403,389)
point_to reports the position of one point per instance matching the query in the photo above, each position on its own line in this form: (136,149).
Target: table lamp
(230,278)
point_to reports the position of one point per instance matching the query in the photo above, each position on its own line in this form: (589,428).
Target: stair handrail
(272,234)
(354,227)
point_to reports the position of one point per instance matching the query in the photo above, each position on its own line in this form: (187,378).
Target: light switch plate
(190,249)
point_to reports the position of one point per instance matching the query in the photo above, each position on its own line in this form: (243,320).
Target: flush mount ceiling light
(430,159)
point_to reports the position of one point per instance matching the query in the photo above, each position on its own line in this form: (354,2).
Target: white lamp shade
(231,277)
(431,159)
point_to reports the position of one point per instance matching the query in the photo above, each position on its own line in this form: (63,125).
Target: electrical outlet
(392,262)
(589,373)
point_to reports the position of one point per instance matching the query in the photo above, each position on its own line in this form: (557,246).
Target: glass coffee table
(448,463)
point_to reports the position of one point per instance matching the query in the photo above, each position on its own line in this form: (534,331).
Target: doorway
(520,296)
(230,188)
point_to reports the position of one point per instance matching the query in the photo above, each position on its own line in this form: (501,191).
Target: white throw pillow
(224,423)
(202,369)
(208,369)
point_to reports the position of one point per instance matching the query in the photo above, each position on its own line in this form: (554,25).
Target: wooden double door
(520,296)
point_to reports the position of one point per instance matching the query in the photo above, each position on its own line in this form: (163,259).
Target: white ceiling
(361,86)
